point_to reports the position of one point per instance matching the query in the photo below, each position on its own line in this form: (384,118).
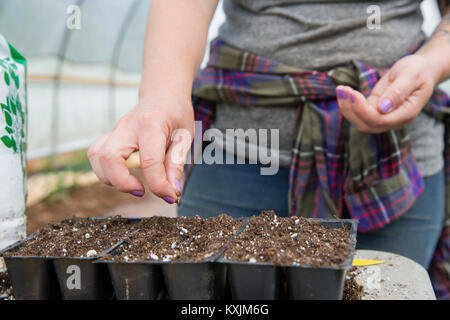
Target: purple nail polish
(138,193)
(169,200)
(385,105)
(341,94)
(178,186)
(352,98)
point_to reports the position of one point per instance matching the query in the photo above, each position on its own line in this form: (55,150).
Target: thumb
(176,157)
(400,87)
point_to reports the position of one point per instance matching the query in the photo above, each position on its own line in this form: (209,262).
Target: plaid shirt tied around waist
(332,162)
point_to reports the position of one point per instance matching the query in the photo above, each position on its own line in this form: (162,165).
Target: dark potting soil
(352,289)
(289,241)
(6,292)
(76,238)
(177,239)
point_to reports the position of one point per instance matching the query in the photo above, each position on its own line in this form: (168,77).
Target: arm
(173,50)
(402,92)
(437,48)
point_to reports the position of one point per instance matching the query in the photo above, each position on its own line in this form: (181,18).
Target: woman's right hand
(161,125)
(162,130)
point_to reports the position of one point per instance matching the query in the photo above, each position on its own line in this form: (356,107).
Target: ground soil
(76,237)
(289,241)
(178,239)
(352,289)
(5,286)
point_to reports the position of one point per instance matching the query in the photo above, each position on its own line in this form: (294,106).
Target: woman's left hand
(396,100)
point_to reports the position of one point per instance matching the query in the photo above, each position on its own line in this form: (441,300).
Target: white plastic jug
(13,125)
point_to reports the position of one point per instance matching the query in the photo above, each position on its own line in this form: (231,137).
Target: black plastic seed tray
(203,280)
(69,278)
(145,280)
(80,279)
(267,281)
(32,278)
(180,280)
(56,277)
(134,281)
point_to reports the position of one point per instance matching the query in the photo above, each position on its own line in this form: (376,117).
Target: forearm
(174,46)
(437,49)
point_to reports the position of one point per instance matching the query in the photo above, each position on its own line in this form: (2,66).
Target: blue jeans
(239,190)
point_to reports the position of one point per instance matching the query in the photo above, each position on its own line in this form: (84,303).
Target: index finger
(152,150)
(362,109)
(115,150)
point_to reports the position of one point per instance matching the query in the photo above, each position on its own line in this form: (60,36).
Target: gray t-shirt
(319,35)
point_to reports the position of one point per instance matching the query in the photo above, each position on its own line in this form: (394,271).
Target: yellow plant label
(365,262)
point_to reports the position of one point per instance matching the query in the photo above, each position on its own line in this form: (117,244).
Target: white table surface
(398,278)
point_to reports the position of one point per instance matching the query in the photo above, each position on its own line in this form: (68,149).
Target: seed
(91,253)
(154,256)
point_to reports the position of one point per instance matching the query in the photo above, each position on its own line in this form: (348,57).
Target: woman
(360,165)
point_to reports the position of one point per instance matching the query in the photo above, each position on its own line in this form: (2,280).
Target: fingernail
(352,97)
(341,94)
(178,185)
(169,200)
(138,193)
(385,105)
